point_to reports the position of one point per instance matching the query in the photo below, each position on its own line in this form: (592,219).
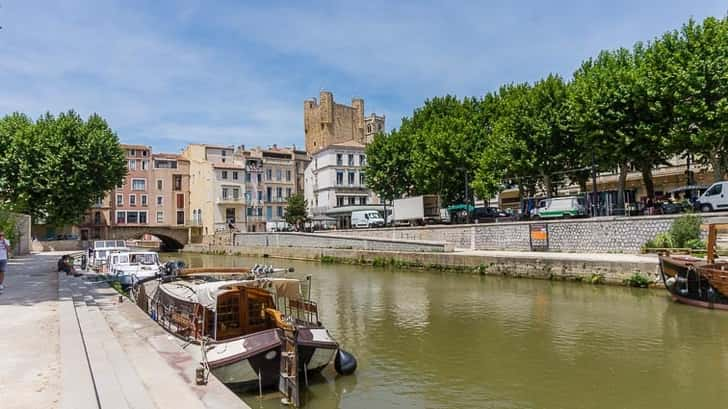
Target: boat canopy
(206,293)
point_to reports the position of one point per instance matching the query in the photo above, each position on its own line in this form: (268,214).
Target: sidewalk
(30,372)
(70,344)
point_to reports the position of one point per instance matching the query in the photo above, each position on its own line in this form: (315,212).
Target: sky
(168,73)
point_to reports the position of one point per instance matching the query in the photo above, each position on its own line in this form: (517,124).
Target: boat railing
(303,311)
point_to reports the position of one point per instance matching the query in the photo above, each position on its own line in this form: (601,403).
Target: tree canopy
(57,167)
(628,108)
(296,210)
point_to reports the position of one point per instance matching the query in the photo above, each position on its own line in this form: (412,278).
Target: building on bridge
(155,193)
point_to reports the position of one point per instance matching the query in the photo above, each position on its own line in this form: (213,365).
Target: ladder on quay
(288,384)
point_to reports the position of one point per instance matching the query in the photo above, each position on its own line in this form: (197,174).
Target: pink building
(155,191)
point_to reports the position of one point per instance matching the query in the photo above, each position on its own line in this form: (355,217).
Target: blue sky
(169,73)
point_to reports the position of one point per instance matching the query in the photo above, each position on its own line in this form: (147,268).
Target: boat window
(123,259)
(228,313)
(143,258)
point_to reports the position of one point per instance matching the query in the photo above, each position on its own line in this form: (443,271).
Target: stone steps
(118,358)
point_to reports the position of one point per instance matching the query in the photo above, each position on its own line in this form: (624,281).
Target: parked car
(561,207)
(715,198)
(366,218)
(487,214)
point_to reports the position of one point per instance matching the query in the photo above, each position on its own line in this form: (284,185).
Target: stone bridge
(172,237)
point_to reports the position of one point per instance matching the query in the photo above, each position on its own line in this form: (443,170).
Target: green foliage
(8,225)
(597,278)
(388,162)
(692,78)
(661,240)
(696,244)
(56,167)
(685,228)
(638,279)
(296,213)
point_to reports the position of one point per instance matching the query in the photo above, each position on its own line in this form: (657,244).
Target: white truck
(416,210)
(366,219)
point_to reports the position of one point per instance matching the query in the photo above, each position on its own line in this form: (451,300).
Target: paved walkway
(69,343)
(30,371)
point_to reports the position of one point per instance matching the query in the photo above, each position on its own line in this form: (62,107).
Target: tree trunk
(646,169)
(623,170)
(717,163)
(582,183)
(547,185)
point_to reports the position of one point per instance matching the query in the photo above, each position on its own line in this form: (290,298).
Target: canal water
(446,340)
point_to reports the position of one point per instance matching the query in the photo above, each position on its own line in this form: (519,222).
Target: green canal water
(444,340)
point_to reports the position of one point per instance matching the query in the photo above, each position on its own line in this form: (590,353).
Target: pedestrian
(4,252)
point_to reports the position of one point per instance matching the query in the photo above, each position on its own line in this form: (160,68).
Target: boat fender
(670,282)
(344,363)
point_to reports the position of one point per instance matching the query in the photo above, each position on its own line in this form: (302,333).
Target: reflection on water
(443,340)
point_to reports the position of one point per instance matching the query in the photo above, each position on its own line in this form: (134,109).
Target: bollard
(200,375)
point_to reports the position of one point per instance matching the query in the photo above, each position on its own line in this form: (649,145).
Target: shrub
(638,280)
(685,228)
(662,240)
(696,244)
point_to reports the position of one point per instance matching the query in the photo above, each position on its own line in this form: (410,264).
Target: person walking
(4,252)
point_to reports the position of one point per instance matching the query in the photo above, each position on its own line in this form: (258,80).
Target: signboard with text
(539,236)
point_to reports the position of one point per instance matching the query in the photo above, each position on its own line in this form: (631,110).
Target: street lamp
(467,196)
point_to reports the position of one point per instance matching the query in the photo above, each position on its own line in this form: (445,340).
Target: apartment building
(335,178)
(242,189)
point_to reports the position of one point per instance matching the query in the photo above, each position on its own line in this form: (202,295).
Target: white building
(335,179)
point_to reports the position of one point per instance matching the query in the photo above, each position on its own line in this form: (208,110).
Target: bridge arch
(173,238)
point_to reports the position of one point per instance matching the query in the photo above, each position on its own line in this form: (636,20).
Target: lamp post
(467,196)
(595,197)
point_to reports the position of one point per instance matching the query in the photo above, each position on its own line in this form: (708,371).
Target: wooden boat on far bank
(695,281)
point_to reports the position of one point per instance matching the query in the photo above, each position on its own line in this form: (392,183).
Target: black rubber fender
(344,363)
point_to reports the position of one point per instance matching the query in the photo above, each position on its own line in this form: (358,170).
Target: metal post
(467,198)
(595,197)
(690,181)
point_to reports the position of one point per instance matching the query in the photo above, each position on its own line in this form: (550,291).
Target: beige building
(326,122)
(242,189)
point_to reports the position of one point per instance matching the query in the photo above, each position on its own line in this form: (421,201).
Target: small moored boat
(695,281)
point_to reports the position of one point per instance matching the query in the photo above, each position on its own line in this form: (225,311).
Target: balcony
(230,200)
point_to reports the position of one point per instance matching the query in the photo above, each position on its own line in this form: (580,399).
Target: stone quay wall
(552,268)
(311,240)
(598,235)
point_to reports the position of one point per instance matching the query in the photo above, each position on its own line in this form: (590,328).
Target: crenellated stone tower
(326,122)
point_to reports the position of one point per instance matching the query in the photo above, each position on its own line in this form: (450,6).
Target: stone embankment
(599,235)
(602,268)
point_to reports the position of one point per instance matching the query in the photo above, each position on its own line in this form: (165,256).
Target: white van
(366,218)
(715,198)
(560,207)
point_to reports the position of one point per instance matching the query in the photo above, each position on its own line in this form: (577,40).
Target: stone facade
(326,122)
(603,235)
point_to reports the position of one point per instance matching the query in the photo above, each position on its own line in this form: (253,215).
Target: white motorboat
(131,266)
